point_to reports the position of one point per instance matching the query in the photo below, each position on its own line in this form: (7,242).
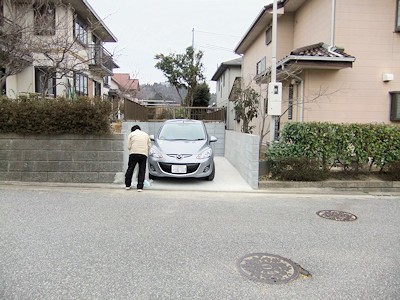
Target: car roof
(182,121)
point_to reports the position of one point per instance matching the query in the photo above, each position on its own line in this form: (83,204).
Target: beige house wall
(352,95)
(312,23)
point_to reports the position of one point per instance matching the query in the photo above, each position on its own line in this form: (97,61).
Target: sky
(150,27)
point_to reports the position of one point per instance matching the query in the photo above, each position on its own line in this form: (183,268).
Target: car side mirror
(213,139)
(151,136)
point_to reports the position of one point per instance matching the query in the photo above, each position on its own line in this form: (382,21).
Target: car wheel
(152,177)
(212,175)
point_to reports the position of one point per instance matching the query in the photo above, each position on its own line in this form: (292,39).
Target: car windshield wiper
(177,139)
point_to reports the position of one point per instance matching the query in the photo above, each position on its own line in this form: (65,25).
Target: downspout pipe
(301,96)
(333,25)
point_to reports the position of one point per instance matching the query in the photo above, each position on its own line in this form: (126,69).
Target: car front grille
(191,168)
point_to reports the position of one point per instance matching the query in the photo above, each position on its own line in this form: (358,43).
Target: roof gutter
(315,58)
(96,16)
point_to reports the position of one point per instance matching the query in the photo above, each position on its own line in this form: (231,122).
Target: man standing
(138,145)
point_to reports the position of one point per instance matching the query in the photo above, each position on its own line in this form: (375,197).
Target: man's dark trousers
(133,160)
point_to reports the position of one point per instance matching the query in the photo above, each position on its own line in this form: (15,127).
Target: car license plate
(181,169)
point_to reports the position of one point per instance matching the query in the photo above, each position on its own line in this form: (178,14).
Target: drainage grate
(336,215)
(268,268)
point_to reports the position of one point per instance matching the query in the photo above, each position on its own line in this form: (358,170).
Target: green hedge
(345,145)
(35,115)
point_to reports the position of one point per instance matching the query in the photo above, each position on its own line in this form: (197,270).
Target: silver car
(180,149)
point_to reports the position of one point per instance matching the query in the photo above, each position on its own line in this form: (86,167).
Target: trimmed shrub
(297,169)
(35,115)
(350,146)
(393,170)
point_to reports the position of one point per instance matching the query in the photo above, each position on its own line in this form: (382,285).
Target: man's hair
(135,127)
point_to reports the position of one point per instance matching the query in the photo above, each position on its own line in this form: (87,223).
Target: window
(45,82)
(398,16)
(290,103)
(106,81)
(261,66)
(1,13)
(3,89)
(80,31)
(97,88)
(81,84)
(268,36)
(45,19)
(395,106)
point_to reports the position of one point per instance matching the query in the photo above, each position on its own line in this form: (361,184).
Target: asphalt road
(87,243)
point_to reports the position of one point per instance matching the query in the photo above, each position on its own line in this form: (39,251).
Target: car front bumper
(198,168)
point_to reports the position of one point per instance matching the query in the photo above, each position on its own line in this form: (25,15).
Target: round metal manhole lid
(336,215)
(267,268)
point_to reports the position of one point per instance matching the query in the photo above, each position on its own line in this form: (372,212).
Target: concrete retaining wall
(242,151)
(66,158)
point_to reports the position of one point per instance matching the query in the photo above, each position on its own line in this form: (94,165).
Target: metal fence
(137,112)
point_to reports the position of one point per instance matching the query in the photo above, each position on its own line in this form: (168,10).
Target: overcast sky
(145,28)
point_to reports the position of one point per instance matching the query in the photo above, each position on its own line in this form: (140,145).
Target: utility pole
(193,38)
(274,88)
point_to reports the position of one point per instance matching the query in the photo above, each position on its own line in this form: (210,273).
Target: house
(126,86)
(53,48)
(226,76)
(338,60)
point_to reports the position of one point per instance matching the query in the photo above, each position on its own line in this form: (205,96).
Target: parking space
(227,179)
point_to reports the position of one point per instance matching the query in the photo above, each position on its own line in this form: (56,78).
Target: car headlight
(155,153)
(205,154)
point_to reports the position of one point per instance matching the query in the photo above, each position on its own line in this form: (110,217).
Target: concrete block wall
(65,158)
(242,151)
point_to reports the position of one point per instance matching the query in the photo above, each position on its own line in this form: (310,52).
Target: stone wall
(65,158)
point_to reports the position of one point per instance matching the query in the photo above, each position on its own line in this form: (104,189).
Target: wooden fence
(136,112)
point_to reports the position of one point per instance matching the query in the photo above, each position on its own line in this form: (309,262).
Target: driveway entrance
(227,179)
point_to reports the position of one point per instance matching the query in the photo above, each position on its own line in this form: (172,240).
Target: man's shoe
(140,190)
(128,188)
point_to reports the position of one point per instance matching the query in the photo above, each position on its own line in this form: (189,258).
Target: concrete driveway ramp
(227,179)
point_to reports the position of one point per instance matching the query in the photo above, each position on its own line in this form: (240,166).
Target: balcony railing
(100,60)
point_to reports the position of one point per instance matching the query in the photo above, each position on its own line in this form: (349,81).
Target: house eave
(85,10)
(263,19)
(308,62)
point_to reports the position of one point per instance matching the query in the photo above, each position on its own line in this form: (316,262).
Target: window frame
(261,66)
(268,36)
(81,84)
(1,13)
(3,91)
(80,30)
(51,83)
(96,88)
(397,20)
(290,102)
(43,18)
(395,106)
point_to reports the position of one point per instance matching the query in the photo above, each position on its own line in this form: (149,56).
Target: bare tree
(34,34)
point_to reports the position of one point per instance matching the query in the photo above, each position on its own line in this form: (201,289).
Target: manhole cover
(336,215)
(267,268)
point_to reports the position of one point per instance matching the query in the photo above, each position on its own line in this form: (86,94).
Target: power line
(215,33)
(214,47)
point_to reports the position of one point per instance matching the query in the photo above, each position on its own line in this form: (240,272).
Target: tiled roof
(316,53)
(125,82)
(319,49)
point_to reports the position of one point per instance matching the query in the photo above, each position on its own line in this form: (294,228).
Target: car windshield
(182,132)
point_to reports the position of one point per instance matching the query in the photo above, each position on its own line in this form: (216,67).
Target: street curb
(352,185)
